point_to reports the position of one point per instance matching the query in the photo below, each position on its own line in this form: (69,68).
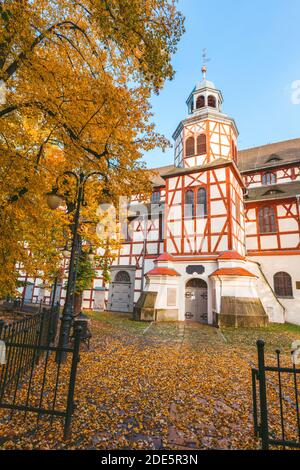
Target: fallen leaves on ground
(173,386)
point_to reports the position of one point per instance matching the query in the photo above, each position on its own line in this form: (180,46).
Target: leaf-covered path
(168,386)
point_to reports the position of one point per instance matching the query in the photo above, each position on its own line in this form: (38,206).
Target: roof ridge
(278,142)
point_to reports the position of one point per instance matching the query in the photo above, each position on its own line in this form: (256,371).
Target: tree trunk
(77,304)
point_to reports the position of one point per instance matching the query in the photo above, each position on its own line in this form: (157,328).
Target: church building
(221,243)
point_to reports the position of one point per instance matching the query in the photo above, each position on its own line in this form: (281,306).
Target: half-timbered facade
(220,240)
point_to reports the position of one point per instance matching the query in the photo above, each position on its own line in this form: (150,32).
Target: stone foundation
(145,310)
(166,314)
(242,312)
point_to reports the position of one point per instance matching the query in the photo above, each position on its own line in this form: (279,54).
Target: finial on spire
(205,59)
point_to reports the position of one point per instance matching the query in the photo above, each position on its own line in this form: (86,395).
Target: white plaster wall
(231,286)
(160,284)
(273,306)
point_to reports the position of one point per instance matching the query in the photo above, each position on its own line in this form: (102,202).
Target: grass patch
(124,321)
(275,336)
(119,320)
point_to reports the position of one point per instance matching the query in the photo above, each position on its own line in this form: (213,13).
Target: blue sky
(254,48)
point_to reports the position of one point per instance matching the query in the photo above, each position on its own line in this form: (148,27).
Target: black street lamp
(54,200)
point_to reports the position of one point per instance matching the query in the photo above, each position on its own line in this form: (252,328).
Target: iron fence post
(254,402)
(264,430)
(70,401)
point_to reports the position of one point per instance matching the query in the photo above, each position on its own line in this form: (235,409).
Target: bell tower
(207,134)
(204,96)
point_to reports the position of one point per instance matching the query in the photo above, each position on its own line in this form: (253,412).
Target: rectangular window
(155,198)
(267,220)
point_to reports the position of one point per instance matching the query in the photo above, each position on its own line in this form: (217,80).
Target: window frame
(269,175)
(210,97)
(202,189)
(192,203)
(153,199)
(195,204)
(262,225)
(283,285)
(201,144)
(202,98)
(189,139)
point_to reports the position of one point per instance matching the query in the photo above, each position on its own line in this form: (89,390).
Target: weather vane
(205,60)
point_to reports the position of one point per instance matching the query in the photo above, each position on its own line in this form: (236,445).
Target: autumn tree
(76,78)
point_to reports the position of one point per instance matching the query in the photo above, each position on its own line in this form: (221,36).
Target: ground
(158,386)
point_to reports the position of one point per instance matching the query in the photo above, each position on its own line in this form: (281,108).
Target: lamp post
(54,200)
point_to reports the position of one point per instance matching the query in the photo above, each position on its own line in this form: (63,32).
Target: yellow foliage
(77,78)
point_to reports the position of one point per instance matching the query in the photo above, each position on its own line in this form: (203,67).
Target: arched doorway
(121,298)
(196,300)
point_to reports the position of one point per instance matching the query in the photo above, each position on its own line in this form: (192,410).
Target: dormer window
(273,159)
(189,147)
(200,102)
(211,101)
(272,192)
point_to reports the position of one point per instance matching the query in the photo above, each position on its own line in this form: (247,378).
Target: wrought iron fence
(32,379)
(19,304)
(276,402)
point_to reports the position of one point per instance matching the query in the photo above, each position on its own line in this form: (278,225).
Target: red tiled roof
(162,272)
(165,257)
(230,255)
(232,272)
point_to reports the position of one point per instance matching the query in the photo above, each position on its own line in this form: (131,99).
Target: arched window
(201,144)
(201,202)
(212,102)
(266,220)
(189,147)
(189,209)
(200,102)
(269,178)
(283,284)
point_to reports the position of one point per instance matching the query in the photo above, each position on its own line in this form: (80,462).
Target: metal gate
(276,405)
(31,379)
